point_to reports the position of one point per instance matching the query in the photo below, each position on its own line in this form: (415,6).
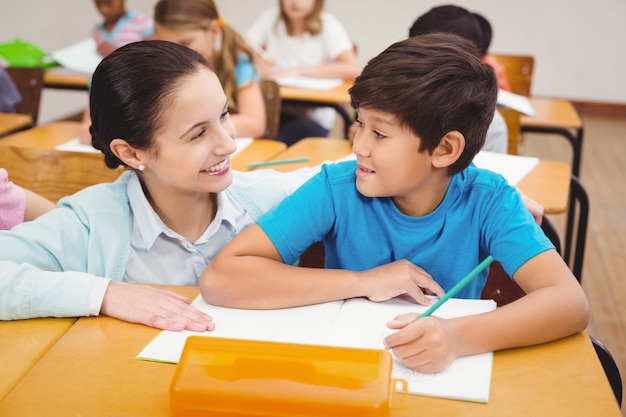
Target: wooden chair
(519,72)
(271,96)
(53,173)
(29,82)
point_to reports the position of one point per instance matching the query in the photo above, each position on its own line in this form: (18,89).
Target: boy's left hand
(427,345)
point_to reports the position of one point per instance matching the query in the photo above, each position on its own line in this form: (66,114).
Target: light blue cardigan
(60,264)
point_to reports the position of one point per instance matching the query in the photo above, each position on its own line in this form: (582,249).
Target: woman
(159,110)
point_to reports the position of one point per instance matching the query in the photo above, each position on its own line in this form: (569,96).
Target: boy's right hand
(397,278)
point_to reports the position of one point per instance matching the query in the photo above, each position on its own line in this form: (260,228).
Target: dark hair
(433,84)
(132,88)
(454,19)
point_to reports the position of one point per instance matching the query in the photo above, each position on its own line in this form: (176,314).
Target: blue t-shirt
(480,215)
(244,70)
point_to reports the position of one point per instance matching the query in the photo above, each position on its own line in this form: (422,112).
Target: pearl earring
(141,167)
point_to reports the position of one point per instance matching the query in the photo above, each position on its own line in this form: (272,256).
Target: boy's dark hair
(433,84)
(131,90)
(454,19)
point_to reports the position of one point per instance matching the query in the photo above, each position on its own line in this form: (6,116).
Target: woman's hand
(153,307)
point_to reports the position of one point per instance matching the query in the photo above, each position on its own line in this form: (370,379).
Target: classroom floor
(603,174)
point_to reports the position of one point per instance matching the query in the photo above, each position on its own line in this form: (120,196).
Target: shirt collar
(150,226)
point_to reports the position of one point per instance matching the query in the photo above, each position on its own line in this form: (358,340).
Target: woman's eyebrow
(224,109)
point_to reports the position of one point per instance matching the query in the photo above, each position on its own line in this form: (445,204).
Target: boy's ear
(126,153)
(449,149)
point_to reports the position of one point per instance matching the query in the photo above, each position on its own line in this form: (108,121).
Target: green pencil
(458,287)
(278,162)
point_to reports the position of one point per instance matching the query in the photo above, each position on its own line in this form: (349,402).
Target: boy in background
(410,217)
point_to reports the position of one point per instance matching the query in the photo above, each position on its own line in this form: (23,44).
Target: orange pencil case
(235,377)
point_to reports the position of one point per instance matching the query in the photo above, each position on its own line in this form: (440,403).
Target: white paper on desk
(310,83)
(80,57)
(512,167)
(515,102)
(354,323)
(75,145)
(242,143)
(467,378)
(307,325)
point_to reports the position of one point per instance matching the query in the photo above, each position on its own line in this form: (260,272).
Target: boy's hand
(426,345)
(397,278)
(153,307)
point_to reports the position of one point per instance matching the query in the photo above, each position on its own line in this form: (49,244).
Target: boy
(411,216)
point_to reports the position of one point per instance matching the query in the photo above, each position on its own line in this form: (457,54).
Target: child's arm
(250,119)
(36,205)
(249,273)
(555,306)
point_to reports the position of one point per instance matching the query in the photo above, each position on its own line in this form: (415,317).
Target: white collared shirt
(159,255)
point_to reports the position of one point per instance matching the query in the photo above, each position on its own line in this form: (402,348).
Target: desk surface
(60,77)
(92,371)
(548,183)
(24,342)
(11,122)
(56,133)
(337,95)
(553,114)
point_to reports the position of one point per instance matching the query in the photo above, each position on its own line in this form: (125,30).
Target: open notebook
(355,323)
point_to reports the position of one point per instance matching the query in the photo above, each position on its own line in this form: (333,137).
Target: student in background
(9,95)
(457,20)
(119,27)
(17,204)
(198,25)
(160,111)
(411,216)
(299,38)
(472,26)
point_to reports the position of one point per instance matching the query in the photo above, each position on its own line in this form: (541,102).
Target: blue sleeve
(510,232)
(301,219)
(244,70)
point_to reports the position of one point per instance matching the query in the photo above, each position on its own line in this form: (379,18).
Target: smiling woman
(158,110)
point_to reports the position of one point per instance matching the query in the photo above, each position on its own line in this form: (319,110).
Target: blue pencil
(458,287)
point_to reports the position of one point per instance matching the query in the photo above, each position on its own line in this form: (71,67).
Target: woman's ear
(449,149)
(126,153)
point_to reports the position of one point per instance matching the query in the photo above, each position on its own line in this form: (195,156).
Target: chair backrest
(53,173)
(512,119)
(271,96)
(519,73)
(610,368)
(518,70)
(578,209)
(29,82)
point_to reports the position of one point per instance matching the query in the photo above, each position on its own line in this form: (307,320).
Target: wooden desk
(548,183)
(337,98)
(13,122)
(92,371)
(63,78)
(24,343)
(557,117)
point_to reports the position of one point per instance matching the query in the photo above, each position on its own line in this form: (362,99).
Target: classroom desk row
(91,370)
(554,116)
